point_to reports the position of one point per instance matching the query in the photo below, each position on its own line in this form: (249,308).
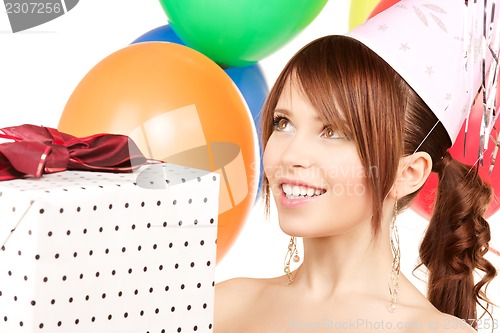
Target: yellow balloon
(360,9)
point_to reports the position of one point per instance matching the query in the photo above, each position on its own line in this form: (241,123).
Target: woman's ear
(412,173)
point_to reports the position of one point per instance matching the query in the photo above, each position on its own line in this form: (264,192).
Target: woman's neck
(354,262)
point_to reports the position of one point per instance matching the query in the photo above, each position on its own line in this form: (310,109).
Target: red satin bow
(39,150)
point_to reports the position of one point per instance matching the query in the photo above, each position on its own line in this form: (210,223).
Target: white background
(40,68)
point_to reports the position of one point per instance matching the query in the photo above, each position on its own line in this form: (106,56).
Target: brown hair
(346,82)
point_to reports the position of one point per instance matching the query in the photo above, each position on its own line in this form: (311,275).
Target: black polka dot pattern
(95,252)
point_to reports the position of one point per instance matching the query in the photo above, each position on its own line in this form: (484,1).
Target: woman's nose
(298,153)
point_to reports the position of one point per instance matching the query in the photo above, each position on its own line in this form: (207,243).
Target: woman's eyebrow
(286,112)
(289,113)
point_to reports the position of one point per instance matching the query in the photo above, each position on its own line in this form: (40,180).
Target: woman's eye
(281,124)
(329,133)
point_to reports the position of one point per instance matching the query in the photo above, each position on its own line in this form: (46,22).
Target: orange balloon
(180,107)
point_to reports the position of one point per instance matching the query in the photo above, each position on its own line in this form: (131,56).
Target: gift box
(106,252)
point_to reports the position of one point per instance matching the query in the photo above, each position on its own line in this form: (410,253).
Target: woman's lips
(295,193)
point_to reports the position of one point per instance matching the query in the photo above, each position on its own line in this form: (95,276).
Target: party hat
(446,51)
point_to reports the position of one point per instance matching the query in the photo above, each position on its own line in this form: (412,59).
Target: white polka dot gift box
(104,252)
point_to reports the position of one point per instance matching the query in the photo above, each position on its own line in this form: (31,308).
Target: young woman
(348,142)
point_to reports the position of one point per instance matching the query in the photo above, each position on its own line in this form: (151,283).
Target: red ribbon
(37,150)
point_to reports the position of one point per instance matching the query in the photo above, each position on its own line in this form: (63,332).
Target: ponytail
(456,241)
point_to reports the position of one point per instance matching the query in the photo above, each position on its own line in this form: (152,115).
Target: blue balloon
(160,34)
(252,85)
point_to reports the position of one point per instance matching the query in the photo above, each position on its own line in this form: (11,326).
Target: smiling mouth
(297,192)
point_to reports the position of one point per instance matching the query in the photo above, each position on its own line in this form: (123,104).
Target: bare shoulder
(434,321)
(233,298)
(242,282)
(238,289)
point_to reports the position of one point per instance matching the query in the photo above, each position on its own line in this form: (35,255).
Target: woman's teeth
(295,192)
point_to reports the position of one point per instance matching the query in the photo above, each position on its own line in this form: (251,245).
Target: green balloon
(237,33)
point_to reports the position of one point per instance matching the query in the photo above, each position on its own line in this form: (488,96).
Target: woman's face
(314,172)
